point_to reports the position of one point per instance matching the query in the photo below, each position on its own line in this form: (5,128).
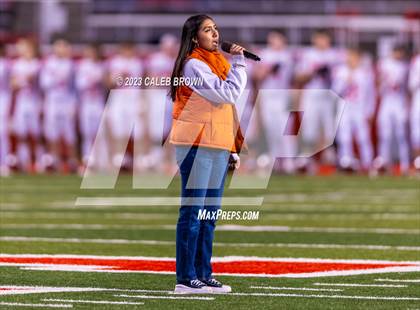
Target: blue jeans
(203,173)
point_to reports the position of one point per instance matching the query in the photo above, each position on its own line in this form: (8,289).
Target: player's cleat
(217,286)
(192,287)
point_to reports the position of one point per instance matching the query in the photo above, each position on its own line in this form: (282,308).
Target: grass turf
(30,203)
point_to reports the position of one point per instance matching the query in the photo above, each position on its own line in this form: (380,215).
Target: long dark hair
(189,32)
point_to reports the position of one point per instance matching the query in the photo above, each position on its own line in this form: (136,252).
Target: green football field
(340,218)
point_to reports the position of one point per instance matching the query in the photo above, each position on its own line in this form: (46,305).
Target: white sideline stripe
(241,228)
(220,244)
(398,280)
(77,289)
(75,215)
(317,229)
(78,240)
(325,296)
(296,288)
(106,302)
(19,290)
(359,285)
(314,296)
(139,215)
(153,201)
(359,216)
(19,304)
(164,297)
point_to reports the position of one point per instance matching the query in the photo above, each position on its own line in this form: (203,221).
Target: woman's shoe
(217,286)
(192,287)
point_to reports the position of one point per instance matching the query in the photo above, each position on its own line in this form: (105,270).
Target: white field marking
(325,206)
(296,288)
(218,244)
(137,215)
(306,296)
(12,206)
(19,304)
(399,280)
(359,285)
(74,215)
(77,240)
(242,228)
(372,197)
(18,290)
(164,297)
(324,296)
(293,295)
(359,216)
(77,289)
(104,302)
(317,229)
(158,201)
(266,206)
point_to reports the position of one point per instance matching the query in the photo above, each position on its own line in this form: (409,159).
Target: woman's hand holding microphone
(236,50)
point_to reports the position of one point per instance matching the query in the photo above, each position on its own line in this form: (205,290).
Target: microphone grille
(226,46)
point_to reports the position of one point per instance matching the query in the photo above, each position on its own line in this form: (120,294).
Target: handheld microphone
(226,48)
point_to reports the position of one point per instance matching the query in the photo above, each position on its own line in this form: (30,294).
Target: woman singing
(206,134)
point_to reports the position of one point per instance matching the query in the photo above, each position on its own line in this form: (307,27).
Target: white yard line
(295,288)
(80,215)
(241,228)
(139,215)
(104,302)
(326,296)
(159,201)
(359,285)
(345,216)
(78,240)
(19,304)
(20,289)
(314,296)
(317,229)
(218,244)
(399,280)
(164,297)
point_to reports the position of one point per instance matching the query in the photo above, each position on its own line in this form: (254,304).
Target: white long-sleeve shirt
(214,88)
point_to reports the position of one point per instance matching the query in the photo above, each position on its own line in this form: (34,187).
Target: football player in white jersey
(275,73)
(125,106)
(57,81)
(27,106)
(393,110)
(414,83)
(5,101)
(314,73)
(354,82)
(90,78)
(159,116)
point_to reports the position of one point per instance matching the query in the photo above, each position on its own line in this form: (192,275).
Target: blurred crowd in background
(53,96)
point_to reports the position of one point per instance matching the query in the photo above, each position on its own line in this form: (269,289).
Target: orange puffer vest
(196,121)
